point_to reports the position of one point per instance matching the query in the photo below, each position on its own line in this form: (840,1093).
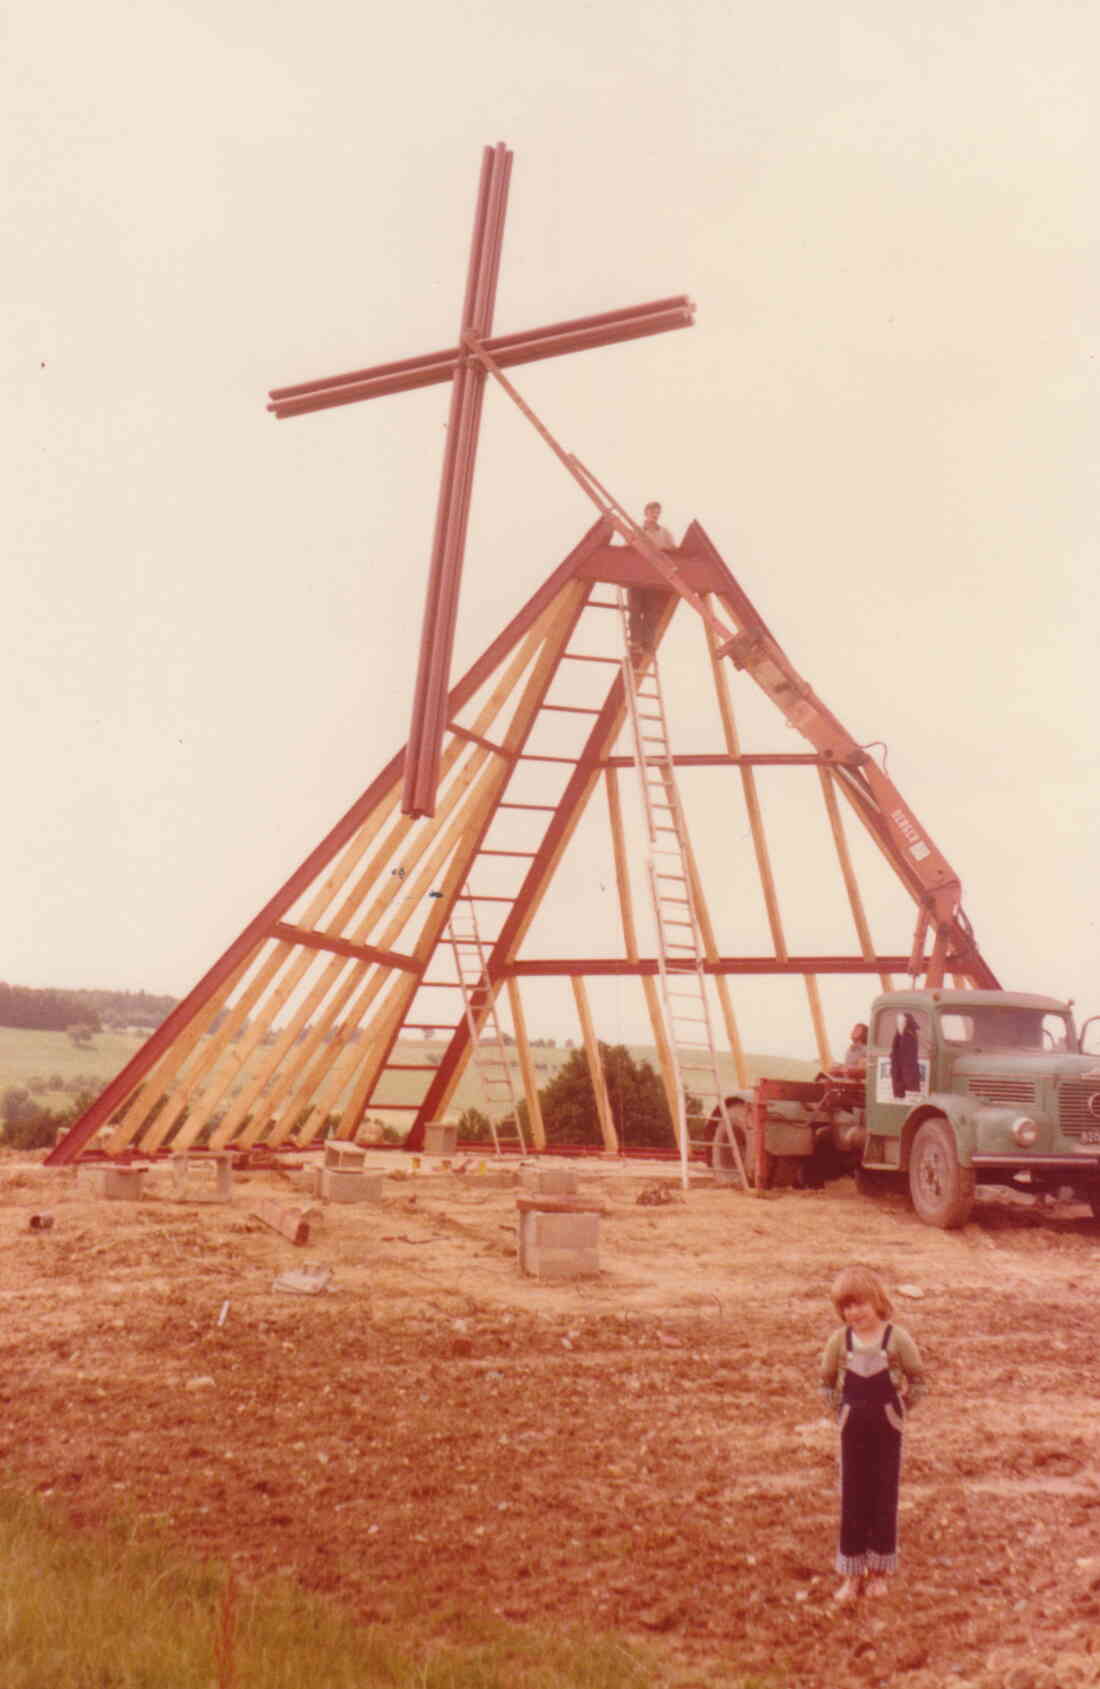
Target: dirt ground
(644,1450)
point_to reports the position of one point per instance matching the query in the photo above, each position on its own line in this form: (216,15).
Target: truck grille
(992,1089)
(1074,1114)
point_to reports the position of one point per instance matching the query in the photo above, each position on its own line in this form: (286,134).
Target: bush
(37,1131)
(473,1126)
(634,1090)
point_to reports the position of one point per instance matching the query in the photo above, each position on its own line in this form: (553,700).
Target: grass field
(118,1610)
(43,1056)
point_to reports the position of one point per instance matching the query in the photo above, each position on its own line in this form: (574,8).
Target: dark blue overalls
(870,1461)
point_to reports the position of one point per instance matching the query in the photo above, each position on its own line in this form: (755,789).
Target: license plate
(1091,1135)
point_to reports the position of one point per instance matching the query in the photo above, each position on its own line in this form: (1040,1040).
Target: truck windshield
(986,1028)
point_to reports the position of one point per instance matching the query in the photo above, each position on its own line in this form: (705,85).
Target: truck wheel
(721,1156)
(942,1191)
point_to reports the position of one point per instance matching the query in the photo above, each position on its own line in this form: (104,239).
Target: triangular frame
(228,1068)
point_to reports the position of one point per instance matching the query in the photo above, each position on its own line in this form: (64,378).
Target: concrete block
(558,1237)
(343,1185)
(440,1138)
(550,1181)
(186,1163)
(124,1184)
(344,1156)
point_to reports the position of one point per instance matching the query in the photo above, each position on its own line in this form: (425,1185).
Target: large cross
(467,373)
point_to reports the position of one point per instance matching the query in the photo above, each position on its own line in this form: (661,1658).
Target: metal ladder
(490,1053)
(680,950)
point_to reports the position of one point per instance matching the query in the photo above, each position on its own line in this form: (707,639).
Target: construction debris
(292,1223)
(303,1281)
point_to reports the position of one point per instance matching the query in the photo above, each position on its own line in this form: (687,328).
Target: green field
(119,1609)
(34,1059)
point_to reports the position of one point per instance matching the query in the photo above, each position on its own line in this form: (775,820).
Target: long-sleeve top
(906,1367)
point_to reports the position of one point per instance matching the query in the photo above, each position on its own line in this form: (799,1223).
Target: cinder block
(124,1184)
(344,1157)
(551,1181)
(496,1178)
(342,1185)
(184,1164)
(440,1138)
(560,1241)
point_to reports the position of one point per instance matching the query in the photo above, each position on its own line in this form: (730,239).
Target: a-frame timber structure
(305,1023)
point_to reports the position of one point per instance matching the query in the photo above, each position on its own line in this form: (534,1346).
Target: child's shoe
(847,1592)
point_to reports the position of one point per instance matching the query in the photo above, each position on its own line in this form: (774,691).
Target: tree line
(52,1010)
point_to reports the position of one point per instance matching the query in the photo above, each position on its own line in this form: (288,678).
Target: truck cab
(979,1087)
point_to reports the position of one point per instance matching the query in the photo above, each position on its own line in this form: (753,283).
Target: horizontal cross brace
(343,947)
(476,739)
(592,966)
(578,334)
(724,759)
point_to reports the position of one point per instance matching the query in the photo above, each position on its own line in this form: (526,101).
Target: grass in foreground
(118,1610)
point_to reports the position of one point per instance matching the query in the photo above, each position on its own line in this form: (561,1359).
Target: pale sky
(886,416)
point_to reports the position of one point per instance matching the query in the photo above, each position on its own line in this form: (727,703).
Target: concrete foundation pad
(345,1157)
(191,1176)
(440,1138)
(338,1184)
(559,1237)
(124,1184)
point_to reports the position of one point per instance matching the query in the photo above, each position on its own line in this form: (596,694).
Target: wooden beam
(851,884)
(526,1067)
(595,1067)
(630,941)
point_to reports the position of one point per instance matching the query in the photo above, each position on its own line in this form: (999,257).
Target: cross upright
(462,366)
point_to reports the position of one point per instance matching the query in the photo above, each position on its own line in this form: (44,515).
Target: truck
(961,1088)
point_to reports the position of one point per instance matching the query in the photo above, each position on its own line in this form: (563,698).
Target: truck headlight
(1025,1131)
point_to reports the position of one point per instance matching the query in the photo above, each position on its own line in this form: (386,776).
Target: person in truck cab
(856,1053)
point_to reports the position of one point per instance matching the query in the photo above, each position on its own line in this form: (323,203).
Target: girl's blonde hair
(860,1284)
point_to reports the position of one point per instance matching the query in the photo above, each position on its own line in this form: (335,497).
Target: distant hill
(53,1010)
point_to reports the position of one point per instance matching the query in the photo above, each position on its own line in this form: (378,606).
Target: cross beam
(466,369)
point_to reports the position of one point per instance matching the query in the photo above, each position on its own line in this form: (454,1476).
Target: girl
(871,1375)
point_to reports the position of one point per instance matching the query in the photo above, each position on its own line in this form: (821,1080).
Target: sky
(887,417)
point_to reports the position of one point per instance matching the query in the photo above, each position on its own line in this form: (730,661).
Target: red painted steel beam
(500,344)
(404,375)
(452,512)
